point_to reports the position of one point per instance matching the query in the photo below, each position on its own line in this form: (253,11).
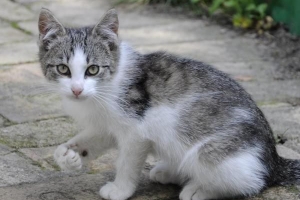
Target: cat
(209,134)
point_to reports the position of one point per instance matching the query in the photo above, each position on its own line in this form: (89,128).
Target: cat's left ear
(49,24)
(109,23)
(49,27)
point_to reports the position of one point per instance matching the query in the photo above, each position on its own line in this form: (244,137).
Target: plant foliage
(243,13)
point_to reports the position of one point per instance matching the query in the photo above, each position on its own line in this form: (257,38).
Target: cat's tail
(288,172)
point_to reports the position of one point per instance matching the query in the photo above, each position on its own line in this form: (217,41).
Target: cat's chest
(99,117)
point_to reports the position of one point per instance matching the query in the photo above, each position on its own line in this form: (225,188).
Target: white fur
(240,174)
(164,173)
(106,126)
(67,159)
(49,33)
(77,65)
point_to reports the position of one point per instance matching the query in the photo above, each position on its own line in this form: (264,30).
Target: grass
(15,25)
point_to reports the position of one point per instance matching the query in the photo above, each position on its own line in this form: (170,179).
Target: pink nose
(76,92)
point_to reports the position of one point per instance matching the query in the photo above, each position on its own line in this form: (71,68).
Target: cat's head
(78,60)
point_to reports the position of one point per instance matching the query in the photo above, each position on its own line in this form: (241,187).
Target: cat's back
(167,76)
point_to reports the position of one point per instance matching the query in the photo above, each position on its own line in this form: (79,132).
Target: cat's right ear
(107,28)
(49,26)
(109,22)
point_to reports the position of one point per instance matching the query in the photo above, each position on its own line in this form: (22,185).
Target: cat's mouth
(77,98)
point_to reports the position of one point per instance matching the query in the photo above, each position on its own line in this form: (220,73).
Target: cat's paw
(112,192)
(192,193)
(67,159)
(161,173)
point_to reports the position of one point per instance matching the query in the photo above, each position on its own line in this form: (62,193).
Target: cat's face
(80,62)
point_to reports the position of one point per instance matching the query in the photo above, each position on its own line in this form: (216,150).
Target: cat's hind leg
(241,173)
(164,173)
(192,191)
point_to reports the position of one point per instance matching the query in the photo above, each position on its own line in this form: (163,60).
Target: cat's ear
(49,26)
(108,23)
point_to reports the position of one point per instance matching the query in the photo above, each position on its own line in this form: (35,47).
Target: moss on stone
(36,163)
(17,144)
(293,189)
(15,25)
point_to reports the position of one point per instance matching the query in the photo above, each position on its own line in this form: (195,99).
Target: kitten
(209,134)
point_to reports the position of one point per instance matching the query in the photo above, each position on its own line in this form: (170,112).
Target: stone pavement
(33,123)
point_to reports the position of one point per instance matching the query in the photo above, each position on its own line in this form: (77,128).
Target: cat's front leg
(132,155)
(82,148)
(66,158)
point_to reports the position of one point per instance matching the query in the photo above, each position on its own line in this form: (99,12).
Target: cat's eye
(63,70)
(92,70)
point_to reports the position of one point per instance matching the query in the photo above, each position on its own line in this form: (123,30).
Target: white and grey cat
(209,134)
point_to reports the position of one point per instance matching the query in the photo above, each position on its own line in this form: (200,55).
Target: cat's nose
(77,91)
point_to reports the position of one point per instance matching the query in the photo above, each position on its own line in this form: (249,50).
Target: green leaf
(234,6)
(194,1)
(231,4)
(215,5)
(261,9)
(251,7)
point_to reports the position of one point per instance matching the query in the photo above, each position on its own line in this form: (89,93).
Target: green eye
(92,70)
(63,69)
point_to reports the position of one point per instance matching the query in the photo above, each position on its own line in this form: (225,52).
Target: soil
(286,53)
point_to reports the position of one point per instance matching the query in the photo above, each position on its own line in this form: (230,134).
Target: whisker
(94,98)
(112,95)
(111,103)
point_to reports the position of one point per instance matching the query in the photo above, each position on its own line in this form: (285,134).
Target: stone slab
(15,170)
(43,156)
(228,50)
(66,11)
(285,122)
(25,79)
(287,152)
(273,90)
(5,149)
(16,53)
(2,120)
(10,35)
(30,26)
(104,163)
(38,134)
(26,2)
(14,11)
(138,33)
(257,70)
(279,193)
(137,18)
(86,186)
(20,109)
(173,32)
(25,95)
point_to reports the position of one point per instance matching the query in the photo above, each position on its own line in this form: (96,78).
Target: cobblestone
(32,122)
